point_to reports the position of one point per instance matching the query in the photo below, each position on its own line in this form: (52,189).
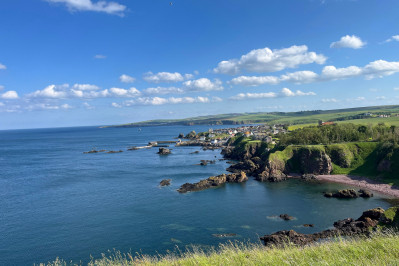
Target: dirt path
(362,182)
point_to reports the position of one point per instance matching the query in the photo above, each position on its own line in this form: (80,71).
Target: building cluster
(256,132)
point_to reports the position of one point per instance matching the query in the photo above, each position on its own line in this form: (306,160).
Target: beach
(362,182)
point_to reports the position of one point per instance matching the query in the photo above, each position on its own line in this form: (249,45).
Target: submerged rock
(286,217)
(308,225)
(165,182)
(365,193)
(115,151)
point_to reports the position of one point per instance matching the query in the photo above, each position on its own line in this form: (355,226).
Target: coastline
(362,182)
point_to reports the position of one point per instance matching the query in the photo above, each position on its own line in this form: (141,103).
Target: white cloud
(299,77)
(188,76)
(126,79)
(85,91)
(396,89)
(393,38)
(170,100)
(163,77)
(51,91)
(380,98)
(375,69)
(329,100)
(254,80)
(333,73)
(243,96)
(100,56)
(285,92)
(203,84)
(360,98)
(118,92)
(116,105)
(9,95)
(46,106)
(347,41)
(88,5)
(1,104)
(88,106)
(163,90)
(216,99)
(1,87)
(85,87)
(267,60)
(2,66)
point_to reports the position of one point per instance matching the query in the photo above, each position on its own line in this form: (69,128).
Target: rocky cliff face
(315,161)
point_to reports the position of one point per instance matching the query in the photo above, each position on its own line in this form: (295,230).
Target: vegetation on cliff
(380,249)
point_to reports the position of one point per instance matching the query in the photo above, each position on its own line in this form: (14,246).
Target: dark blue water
(56,201)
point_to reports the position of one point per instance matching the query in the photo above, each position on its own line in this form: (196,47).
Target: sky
(87,62)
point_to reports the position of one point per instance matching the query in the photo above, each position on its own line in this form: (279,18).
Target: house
(202,138)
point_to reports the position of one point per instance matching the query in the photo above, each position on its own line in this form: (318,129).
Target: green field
(289,118)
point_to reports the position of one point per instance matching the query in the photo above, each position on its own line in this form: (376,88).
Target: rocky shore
(347,227)
(213,181)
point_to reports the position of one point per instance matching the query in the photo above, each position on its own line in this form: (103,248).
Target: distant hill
(359,114)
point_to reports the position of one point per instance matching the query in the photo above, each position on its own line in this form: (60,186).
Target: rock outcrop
(365,193)
(286,217)
(342,194)
(346,227)
(213,181)
(314,161)
(164,151)
(165,182)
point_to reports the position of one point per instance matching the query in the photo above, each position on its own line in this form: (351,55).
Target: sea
(56,201)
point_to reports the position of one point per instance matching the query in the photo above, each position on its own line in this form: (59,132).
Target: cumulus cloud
(9,95)
(162,77)
(46,106)
(170,100)
(393,38)
(85,87)
(254,80)
(163,90)
(285,92)
(126,78)
(348,41)
(86,91)
(116,105)
(375,69)
(267,60)
(2,67)
(299,77)
(88,5)
(203,84)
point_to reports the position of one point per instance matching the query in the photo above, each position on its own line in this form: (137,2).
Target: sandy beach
(362,182)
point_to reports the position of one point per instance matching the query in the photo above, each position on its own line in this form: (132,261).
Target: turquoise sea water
(56,201)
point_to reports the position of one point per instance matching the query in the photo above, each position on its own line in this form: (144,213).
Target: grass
(291,118)
(380,249)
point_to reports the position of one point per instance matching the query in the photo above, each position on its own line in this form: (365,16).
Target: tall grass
(377,250)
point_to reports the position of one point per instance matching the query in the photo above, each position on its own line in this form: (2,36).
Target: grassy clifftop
(377,250)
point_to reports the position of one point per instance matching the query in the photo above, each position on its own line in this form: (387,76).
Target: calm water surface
(56,201)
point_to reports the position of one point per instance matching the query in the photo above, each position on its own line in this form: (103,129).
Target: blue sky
(85,62)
